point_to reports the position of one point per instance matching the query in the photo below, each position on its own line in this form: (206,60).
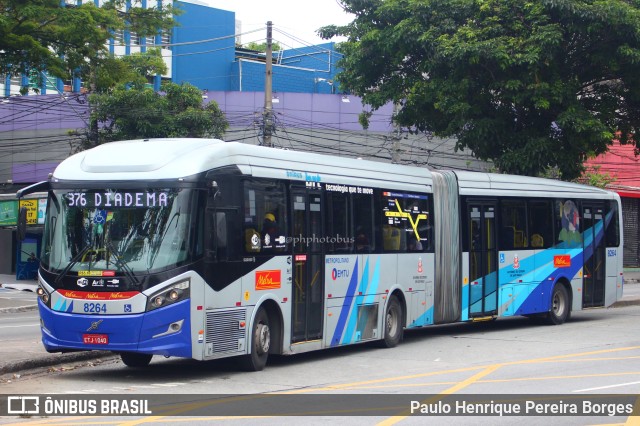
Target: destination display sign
(95,199)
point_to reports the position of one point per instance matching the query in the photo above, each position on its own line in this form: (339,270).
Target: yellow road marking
(515,379)
(491,368)
(473,379)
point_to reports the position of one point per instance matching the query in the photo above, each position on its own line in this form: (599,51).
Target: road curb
(623,303)
(15,309)
(52,359)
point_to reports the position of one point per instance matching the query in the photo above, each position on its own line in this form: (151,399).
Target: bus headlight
(168,295)
(43,295)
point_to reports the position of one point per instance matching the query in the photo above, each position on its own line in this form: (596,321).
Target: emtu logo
(339,273)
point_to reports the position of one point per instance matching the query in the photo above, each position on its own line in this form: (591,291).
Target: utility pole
(397,135)
(268,105)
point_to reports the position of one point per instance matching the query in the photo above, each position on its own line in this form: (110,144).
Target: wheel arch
(276,324)
(399,294)
(566,283)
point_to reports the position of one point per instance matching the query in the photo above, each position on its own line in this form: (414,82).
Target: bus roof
(175,158)
(162,159)
(474,183)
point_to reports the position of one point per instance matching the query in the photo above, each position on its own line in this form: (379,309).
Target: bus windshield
(121,231)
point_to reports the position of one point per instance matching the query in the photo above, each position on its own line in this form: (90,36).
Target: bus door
(594,273)
(308,270)
(483,258)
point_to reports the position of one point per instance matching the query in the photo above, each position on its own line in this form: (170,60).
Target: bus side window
(514,233)
(363,222)
(612,230)
(225,225)
(540,224)
(265,218)
(221,232)
(338,223)
(567,219)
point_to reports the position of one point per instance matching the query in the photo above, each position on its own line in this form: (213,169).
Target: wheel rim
(558,304)
(392,323)
(263,339)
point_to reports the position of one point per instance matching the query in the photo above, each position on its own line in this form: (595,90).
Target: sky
(299,18)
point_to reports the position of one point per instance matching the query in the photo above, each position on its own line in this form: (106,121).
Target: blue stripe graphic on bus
(366,287)
(61,306)
(346,305)
(424,319)
(353,317)
(527,299)
(375,283)
(578,258)
(465,302)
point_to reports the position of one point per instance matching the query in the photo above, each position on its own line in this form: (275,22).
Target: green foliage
(528,85)
(262,47)
(592,176)
(363,119)
(42,35)
(134,70)
(138,112)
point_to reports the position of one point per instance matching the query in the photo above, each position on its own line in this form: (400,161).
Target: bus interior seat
(537,241)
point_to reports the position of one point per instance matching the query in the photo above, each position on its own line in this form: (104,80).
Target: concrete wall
(34,131)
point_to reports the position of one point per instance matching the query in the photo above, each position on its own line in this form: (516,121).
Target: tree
(71,41)
(529,85)
(594,177)
(262,47)
(135,70)
(138,112)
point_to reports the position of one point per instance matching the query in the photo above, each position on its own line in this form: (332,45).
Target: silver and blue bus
(204,249)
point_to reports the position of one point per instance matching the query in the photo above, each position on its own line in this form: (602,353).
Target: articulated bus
(205,249)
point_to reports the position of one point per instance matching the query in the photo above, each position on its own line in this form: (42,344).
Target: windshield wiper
(72,262)
(121,263)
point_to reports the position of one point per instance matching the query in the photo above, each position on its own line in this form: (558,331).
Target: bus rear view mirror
(22,224)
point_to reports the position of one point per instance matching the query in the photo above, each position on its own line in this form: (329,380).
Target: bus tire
(392,323)
(135,360)
(560,307)
(260,343)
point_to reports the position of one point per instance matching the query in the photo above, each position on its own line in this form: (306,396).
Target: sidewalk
(28,352)
(20,296)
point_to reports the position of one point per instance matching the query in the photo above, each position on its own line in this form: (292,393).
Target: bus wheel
(136,360)
(260,343)
(560,309)
(392,323)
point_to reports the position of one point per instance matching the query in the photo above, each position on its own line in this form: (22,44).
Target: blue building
(203,50)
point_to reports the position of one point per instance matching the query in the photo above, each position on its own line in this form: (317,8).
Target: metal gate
(631,253)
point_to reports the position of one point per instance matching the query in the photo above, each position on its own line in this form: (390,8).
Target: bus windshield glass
(120,231)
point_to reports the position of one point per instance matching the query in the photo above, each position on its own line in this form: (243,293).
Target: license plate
(95,339)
